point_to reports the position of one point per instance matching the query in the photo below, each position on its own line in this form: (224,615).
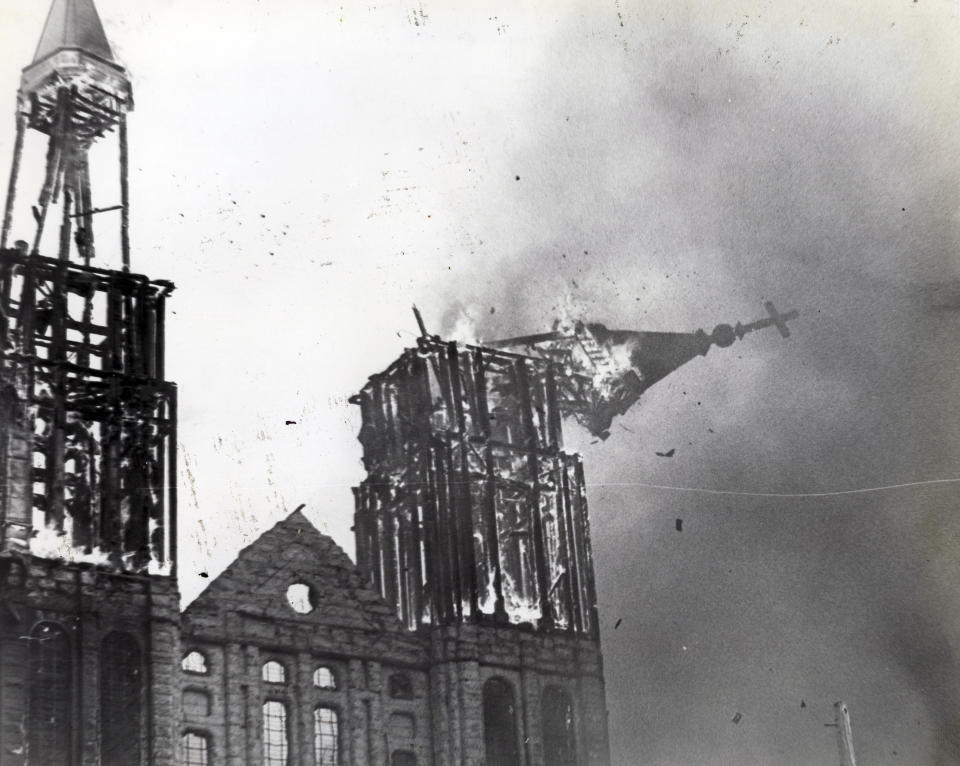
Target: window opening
(273,672)
(49,729)
(326,733)
(500,724)
(194,662)
(400,687)
(195,749)
(559,740)
(324,678)
(275,742)
(120,693)
(300,598)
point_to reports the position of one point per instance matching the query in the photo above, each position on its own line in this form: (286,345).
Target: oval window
(300,598)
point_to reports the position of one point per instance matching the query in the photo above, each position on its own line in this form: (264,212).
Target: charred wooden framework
(88,426)
(74,97)
(472,511)
(89,445)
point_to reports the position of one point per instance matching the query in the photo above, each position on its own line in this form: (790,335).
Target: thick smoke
(704,172)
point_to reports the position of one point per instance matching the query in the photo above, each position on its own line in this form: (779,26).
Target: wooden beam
(124,194)
(14,175)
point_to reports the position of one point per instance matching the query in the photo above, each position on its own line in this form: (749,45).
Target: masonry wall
(243,620)
(465,657)
(88,603)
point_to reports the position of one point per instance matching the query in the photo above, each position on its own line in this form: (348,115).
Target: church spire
(75,94)
(73,25)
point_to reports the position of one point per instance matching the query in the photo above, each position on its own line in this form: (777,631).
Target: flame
(464,329)
(50,543)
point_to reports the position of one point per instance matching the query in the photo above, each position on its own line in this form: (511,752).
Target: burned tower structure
(89,613)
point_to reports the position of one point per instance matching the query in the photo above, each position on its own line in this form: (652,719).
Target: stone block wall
(243,620)
(464,658)
(88,603)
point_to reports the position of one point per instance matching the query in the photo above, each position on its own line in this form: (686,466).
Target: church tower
(89,609)
(472,522)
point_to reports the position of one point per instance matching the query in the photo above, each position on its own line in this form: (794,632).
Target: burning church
(466,633)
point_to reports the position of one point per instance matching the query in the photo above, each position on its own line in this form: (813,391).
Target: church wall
(244,621)
(89,604)
(465,657)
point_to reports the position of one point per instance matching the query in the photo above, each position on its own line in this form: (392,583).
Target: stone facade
(398,694)
(89,605)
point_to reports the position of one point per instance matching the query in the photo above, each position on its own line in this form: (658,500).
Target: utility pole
(844,734)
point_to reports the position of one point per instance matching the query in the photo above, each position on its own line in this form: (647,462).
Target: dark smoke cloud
(690,180)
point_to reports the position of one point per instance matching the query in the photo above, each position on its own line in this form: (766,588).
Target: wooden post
(124,193)
(14,174)
(844,734)
(53,165)
(86,199)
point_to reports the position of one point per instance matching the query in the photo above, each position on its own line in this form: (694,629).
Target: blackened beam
(420,324)
(42,363)
(124,195)
(96,210)
(14,175)
(109,276)
(528,340)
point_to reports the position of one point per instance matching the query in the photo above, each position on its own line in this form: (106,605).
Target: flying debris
(669,453)
(604,372)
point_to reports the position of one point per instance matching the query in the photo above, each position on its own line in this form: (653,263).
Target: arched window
(194,662)
(400,687)
(326,737)
(500,724)
(50,696)
(273,672)
(195,749)
(300,597)
(324,678)
(559,736)
(120,683)
(276,747)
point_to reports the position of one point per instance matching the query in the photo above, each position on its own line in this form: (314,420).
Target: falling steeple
(604,372)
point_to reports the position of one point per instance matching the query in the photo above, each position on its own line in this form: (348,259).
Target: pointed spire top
(73,24)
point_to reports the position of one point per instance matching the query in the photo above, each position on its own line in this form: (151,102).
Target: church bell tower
(472,522)
(89,609)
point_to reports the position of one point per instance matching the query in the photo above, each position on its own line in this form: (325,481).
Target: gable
(330,592)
